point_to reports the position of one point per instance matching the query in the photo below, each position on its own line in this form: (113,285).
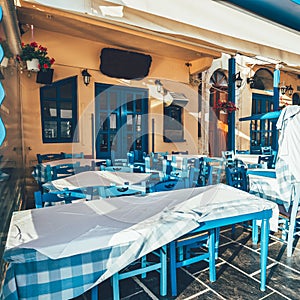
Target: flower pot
(45,77)
(33,65)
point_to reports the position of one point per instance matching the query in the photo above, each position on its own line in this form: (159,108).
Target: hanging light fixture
(86,77)
(290,90)
(238,79)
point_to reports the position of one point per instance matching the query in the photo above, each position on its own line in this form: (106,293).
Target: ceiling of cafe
(109,33)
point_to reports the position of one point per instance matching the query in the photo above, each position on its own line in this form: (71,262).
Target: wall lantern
(287,88)
(250,80)
(159,86)
(238,79)
(86,77)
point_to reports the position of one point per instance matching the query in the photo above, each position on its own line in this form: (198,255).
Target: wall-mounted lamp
(238,79)
(287,88)
(159,86)
(86,77)
(250,80)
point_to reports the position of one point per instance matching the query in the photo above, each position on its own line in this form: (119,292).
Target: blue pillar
(231,97)
(276,95)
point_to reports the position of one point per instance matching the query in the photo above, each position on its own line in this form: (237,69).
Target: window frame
(168,114)
(58,119)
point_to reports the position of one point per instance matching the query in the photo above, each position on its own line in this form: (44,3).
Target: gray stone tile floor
(238,274)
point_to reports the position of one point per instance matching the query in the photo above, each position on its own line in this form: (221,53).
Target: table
(100,180)
(93,240)
(42,172)
(247,158)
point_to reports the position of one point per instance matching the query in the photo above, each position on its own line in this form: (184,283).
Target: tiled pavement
(238,275)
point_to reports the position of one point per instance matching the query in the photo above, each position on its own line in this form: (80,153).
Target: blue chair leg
(94,293)
(212,254)
(265,229)
(115,286)
(254,232)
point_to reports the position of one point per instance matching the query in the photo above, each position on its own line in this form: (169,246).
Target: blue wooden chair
(237,177)
(228,157)
(46,199)
(41,158)
(168,185)
(289,222)
(64,170)
(73,155)
(205,172)
(192,248)
(136,160)
(268,160)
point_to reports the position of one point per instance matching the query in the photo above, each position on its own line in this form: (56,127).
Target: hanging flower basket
(226,106)
(33,65)
(37,53)
(45,77)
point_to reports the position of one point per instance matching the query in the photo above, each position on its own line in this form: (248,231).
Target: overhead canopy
(272,115)
(197,23)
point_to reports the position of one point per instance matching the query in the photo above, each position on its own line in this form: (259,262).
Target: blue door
(121,120)
(261,130)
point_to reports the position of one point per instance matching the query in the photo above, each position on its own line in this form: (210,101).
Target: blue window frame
(59,111)
(261,131)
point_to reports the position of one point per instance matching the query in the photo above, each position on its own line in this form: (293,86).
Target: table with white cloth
(63,251)
(43,170)
(79,183)
(251,159)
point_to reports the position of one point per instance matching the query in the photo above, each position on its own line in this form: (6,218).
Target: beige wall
(72,55)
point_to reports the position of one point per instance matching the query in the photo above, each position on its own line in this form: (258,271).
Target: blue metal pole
(231,97)
(276,81)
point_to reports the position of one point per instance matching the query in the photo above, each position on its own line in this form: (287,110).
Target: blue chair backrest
(73,155)
(237,177)
(64,170)
(49,157)
(268,159)
(205,173)
(168,185)
(42,198)
(267,150)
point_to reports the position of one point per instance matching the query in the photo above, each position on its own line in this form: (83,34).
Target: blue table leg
(265,228)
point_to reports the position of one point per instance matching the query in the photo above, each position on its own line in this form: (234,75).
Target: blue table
(63,251)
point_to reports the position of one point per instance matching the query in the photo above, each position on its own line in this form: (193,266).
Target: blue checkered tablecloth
(62,251)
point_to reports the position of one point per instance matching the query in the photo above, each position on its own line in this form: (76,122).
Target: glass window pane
(138,105)
(113,101)
(103,101)
(103,121)
(48,93)
(113,121)
(66,129)
(129,122)
(66,90)
(49,109)
(103,142)
(50,130)
(66,110)
(130,106)
(138,124)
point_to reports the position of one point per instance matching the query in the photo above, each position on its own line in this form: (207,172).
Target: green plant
(33,50)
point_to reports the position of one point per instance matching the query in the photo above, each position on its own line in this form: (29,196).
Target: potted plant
(226,106)
(36,59)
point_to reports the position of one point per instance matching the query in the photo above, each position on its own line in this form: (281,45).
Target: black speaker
(124,64)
